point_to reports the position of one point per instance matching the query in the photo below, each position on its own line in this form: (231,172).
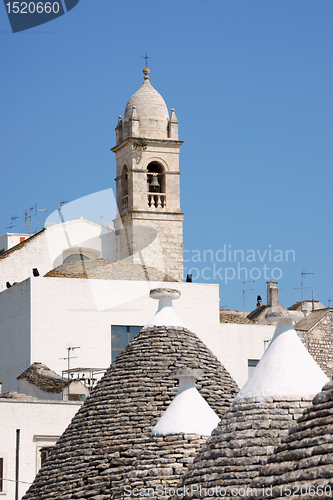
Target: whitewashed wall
(69,312)
(15,332)
(47,419)
(47,250)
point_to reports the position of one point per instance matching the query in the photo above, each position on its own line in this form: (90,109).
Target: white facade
(9,240)
(42,317)
(49,248)
(40,423)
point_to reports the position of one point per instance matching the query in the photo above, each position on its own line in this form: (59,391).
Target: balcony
(156,200)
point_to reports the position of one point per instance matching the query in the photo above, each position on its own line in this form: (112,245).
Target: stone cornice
(169,142)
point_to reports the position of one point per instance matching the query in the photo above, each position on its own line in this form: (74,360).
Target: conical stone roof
(108,445)
(303,463)
(253,426)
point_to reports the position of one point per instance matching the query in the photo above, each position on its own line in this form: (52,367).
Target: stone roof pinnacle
(146,72)
(165,315)
(189,412)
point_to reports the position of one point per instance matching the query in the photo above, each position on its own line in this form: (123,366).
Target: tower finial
(146,72)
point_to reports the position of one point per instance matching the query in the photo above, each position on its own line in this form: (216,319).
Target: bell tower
(149,222)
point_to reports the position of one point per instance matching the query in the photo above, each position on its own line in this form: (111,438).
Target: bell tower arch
(150,222)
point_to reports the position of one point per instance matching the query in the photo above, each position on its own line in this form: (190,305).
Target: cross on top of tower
(146,58)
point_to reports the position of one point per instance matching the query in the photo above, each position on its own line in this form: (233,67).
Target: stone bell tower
(150,222)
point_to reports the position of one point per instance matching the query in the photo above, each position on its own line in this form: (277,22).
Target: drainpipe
(17,463)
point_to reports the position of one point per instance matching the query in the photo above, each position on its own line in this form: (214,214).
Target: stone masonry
(316,333)
(241,445)
(302,465)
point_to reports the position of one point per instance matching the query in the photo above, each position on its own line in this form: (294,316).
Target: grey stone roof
(242,443)
(108,444)
(311,320)
(44,378)
(17,396)
(305,457)
(108,270)
(298,305)
(228,316)
(256,312)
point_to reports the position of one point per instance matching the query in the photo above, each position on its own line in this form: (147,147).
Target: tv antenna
(62,203)
(11,223)
(302,276)
(252,281)
(42,210)
(32,209)
(69,349)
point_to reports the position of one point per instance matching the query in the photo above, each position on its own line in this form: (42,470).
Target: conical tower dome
(256,423)
(303,463)
(108,445)
(149,108)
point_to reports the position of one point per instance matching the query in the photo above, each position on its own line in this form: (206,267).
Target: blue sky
(251,84)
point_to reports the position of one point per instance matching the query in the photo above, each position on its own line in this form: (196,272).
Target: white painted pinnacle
(286,368)
(188,412)
(165,315)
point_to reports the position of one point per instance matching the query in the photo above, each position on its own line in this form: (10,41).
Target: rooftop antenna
(42,210)
(252,281)
(302,275)
(329,302)
(146,58)
(25,220)
(11,223)
(69,349)
(31,214)
(62,203)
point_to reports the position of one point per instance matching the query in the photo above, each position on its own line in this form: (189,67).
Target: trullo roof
(108,445)
(303,463)
(253,426)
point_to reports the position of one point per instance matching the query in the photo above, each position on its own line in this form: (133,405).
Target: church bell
(154,183)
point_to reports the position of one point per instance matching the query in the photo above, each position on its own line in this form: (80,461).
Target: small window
(44,453)
(75,257)
(120,337)
(1,475)
(44,445)
(252,363)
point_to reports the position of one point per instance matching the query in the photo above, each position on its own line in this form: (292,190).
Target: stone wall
(319,342)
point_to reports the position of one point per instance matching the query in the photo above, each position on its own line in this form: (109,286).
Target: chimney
(272,294)
(259,301)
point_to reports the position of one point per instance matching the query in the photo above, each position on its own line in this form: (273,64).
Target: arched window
(155,178)
(124,187)
(156,185)
(75,257)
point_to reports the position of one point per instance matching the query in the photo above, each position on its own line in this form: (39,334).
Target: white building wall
(239,343)
(14,333)
(47,250)
(78,312)
(48,419)
(68,312)
(25,387)
(9,240)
